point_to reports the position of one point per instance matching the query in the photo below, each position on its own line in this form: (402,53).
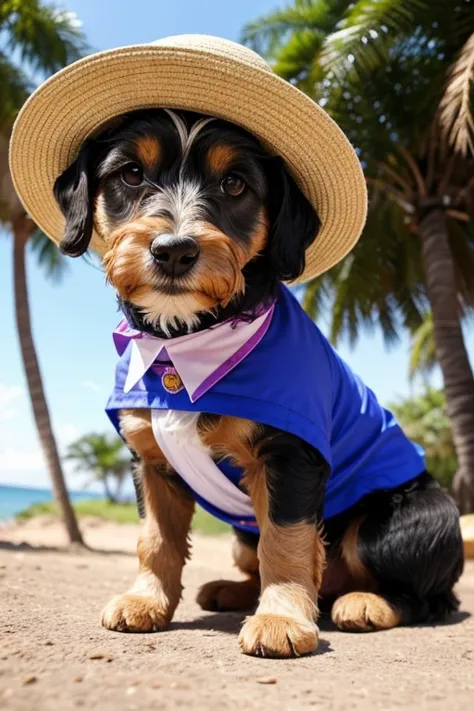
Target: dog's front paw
(134,613)
(278,636)
(364,612)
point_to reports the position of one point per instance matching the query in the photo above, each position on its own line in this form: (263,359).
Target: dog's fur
(392,559)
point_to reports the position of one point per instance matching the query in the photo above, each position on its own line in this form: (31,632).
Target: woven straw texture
(199,73)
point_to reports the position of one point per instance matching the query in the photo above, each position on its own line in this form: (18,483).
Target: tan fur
(266,635)
(220,158)
(162,550)
(245,557)
(361,578)
(364,612)
(231,436)
(149,150)
(128,263)
(101,222)
(135,426)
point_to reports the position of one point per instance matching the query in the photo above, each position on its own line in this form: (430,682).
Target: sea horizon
(16,498)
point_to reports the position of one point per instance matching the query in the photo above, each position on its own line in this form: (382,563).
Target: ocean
(14,499)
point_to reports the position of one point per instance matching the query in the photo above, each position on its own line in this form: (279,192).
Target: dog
(202,224)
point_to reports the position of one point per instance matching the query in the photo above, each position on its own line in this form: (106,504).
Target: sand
(55,655)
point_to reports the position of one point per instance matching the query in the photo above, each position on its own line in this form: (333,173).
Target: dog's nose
(174,255)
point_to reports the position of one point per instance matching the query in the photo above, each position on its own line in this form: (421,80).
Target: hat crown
(215,45)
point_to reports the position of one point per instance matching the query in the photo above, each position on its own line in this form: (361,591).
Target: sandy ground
(55,655)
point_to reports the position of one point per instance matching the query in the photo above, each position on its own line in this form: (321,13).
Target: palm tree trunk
(450,350)
(108,492)
(22,229)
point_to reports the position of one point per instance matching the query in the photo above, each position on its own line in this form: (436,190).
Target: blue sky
(73,321)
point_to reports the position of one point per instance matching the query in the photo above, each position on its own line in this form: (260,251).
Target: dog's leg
(225,595)
(163,544)
(287,492)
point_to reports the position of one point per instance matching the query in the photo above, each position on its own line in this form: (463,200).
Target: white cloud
(90,385)
(9,414)
(9,393)
(16,460)
(66,433)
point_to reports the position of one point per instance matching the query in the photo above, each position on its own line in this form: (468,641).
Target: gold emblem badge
(171,381)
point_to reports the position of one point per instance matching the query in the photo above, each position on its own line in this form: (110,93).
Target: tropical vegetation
(398,78)
(425,420)
(103,458)
(122,513)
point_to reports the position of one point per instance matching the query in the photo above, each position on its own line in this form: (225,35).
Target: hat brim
(76,101)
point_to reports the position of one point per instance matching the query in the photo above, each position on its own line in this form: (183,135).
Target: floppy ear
(74,193)
(294,223)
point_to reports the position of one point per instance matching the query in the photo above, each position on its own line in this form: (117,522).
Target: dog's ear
(74,193)
(294,223)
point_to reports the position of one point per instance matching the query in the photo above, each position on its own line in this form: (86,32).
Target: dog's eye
(132,174)
(233,185)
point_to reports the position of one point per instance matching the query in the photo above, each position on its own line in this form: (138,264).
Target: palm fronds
(422,349)
(45,37)
(455,109)
(366,32)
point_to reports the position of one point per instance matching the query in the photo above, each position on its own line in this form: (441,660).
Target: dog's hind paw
(134,613)
(227,595)
(364,612)
(266,635)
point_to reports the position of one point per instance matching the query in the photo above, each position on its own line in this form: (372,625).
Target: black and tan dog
(225,211)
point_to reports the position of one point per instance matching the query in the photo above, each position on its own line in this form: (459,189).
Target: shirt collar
(201,359)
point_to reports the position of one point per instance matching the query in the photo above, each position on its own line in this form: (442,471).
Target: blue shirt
(295,381)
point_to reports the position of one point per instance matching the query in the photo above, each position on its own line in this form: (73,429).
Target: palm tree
(397,77)
(103,457)
(44,39)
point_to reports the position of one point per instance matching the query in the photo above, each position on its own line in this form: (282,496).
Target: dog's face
(192,211)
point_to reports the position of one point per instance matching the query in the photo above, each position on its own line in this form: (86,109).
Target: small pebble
(266,680)
(30,680)
(131,690)
(99,654)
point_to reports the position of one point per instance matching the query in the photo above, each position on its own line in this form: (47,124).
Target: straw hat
(200,73)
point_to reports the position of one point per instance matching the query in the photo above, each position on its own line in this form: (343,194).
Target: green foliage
(46,37)
(103,457)
(425,421)
(292,38)
(204,523)
(381,68)
(121,513)
(423,351)
(43,38)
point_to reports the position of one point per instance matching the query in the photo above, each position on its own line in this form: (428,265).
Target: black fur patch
(296,477)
